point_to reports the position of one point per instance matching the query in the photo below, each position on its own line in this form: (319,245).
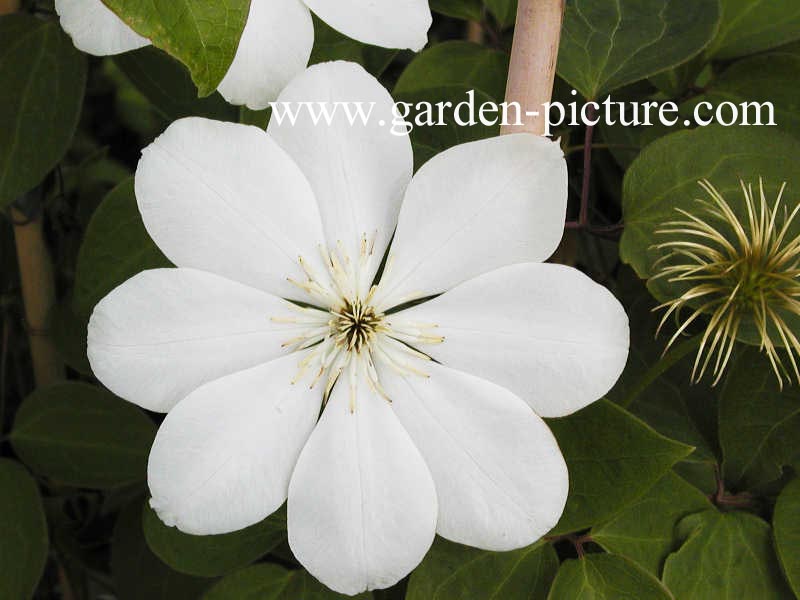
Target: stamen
(352,333)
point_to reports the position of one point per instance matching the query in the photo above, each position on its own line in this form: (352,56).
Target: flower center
(356,324)
(350,330)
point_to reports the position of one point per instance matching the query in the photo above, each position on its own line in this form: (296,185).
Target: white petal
(274,47)
(224,197)
(474,208)
(546,332)
(500,478)
(95,29)
(358,171)
(224,455)
(387,23)
(362,505)
(165,332)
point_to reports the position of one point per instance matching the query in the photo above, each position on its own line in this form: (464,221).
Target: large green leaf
(645,531)
(211,555)
(758,424)
(724,555)
(456,63)
(116,247)
(750,26)
(167,85)
(664,177)
(761,79)
(23,532)
(605,577)
(138,573)
(460,9)
(329,45)
(606,45)
(613,458)
(505,11)
(43,78)
(273,582)
(79,434)
(786,522)
(447,73)
(202,34)
(451,571)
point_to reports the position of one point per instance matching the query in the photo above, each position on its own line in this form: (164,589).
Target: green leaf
(724,555)
(138,573)
(68,332)
(786,522)
(116,247)
(40,100)
(23,532)
(330,45)
(645,531)
(168,86)
(469,10)
(446,73)
(81,435)
(456,63)
(626,142)
(202,34)
(211,555)
(750,26)
(664,177)
(505,11)
(758,424)
(760,79)
(431,137)
(451,571)
(273,582)
(605,577)
(613,458)
(606,45)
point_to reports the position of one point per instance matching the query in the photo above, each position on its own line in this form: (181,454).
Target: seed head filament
(737,271)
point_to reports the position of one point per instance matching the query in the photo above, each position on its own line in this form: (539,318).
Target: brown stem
(38,296)
(583,217)
(533,62)
(474,32)
(63,582)
(8,6)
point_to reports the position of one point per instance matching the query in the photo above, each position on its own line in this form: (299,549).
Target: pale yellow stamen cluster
(738,272)
(351,330)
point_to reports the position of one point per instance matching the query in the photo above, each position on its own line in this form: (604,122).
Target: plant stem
(583,216)
(8,6)
(38,296)
(474,32)
(533,62)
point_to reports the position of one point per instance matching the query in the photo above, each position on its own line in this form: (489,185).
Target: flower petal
(275,46)
(359,171)
(165,332)
(224,197)
(224,455)
(546,332)
(387,23)
(362,505)
(474,208)
(500,478)
(95,29)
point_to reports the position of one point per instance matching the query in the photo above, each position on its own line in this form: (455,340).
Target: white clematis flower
(405,446)
(276,41)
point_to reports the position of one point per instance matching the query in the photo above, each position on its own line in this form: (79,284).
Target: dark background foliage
(677,490)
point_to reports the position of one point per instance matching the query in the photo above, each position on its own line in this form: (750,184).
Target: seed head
(739,272)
